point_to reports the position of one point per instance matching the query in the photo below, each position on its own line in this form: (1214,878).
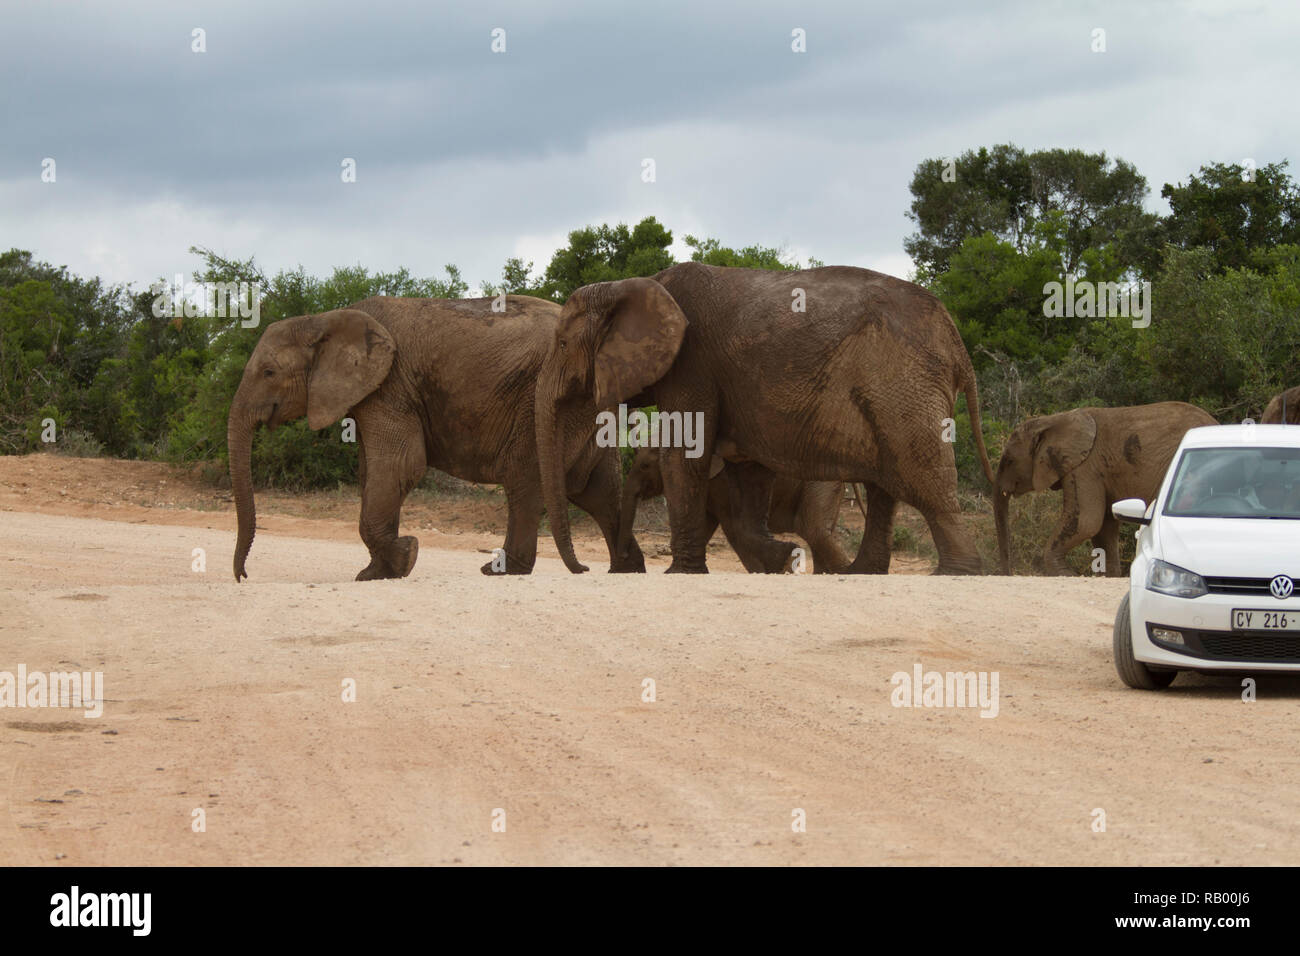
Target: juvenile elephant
(1273,413)
(1095,456)
(810,509)
(828,374)
(441,383)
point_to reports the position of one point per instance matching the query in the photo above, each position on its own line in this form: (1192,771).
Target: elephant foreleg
(1082,512)
(390,469)
(1108,540)
(686,483)
(600,499)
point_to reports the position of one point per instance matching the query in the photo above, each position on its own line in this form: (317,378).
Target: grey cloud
(462,152)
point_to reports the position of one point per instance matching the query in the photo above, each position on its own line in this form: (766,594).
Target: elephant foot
(397,562)
(682,567)
(403,555)
(870,562)
(971,566)
(513,566)
(780,559)
(631,563)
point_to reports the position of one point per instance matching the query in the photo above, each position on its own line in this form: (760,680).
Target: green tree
(605,253)
(1235,214)
(1227,340)
(56,329)
(711,252)
(515,280)
(1006,192)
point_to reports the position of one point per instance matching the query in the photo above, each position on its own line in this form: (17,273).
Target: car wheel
(1131,670)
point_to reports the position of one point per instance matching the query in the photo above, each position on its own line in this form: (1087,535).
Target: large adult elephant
(809,509)
(1273,414)
(1095,456)
(441,383)
(829,374)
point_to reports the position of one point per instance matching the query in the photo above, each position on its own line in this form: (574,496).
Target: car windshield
(1236,483)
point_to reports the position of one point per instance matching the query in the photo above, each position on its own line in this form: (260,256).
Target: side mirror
(1131,509)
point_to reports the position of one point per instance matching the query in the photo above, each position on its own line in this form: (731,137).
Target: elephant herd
(801,381)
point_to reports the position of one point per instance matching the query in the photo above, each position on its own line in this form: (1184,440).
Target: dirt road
(525,695)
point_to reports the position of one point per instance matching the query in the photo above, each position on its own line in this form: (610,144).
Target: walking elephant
(441,383)
(809,509)
(828,374)
(1095,456)
(1288,401)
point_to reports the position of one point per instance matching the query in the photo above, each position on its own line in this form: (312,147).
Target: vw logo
(1281,586)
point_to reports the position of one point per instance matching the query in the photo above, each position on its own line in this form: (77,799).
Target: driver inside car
(1268,492)
(1192,490)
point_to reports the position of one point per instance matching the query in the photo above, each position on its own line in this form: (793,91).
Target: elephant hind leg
(523,517)
(750,490)
(815,521)
(925,477)
(957,555)
(876,549)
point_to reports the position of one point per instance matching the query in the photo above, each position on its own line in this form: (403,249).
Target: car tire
(1131,670)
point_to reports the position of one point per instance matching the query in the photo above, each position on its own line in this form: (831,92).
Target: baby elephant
(807,508)
(1096,456)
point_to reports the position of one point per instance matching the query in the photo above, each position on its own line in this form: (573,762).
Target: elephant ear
(642,333)
(353,354)
(1062,446)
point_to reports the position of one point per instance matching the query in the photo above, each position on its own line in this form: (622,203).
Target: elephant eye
(268,372)
(561,343)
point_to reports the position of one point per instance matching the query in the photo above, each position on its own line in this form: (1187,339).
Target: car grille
(1251,647)
(1257,586)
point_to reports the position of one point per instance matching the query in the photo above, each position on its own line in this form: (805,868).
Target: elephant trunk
(1001,510)
(627,516)
(239,444)
(550,457)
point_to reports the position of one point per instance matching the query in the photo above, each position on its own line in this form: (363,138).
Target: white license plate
(1256,620)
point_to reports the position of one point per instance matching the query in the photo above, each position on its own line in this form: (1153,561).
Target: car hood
(1231,547)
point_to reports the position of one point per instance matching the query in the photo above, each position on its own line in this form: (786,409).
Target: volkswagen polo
(1214,584)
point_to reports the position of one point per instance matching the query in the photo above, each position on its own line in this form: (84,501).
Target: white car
(1215,584)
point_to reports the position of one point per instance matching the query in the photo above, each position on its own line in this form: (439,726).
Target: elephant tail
(972,393)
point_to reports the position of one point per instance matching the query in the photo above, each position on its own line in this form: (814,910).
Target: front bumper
(1210,643)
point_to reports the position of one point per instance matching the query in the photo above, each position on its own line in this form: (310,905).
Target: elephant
(827,374)
(443,383)
(810,509)
(1095,456)
(1273,413)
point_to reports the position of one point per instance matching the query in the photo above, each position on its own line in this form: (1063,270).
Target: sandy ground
(525,695)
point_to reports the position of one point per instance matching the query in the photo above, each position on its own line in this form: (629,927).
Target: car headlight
(1166,578)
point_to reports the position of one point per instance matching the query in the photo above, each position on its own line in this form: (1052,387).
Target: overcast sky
(468,156)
